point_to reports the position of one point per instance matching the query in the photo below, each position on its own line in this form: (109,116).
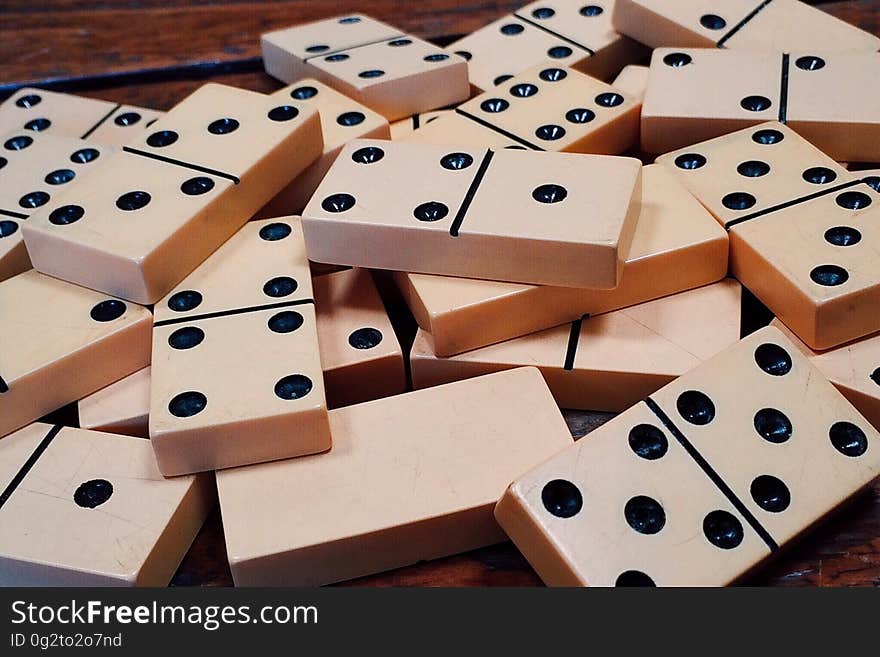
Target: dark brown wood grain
(99,48)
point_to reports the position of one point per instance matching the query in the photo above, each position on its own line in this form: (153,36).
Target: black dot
(772,425)
(338,57)
(93,493)
(223,126)
(609,99)
(3,162)
(162,138)
(542,13)
(562,498)
(695,407)
(829,275)
(349,119)
(559,52)
(275,231)
(873,182)
(550,132)
(186,337)
(580,115)
(436,57)
(28,101)
(690,161)
(280,286)
(753,169)
(712,22)
(494,105)
(456,161)
(127,118)
(294,386)
(397,43)
(738,201)
(317,48)
(60,176)
(430,211)
(591,10)
(809,63)
(196,186)
(85,155)
(848,439)
(365,338)
(501,79)
(648,442)
(108,310)
(283,113)
(348,20)
(755,103)
(131,201)
(644,514)
(723,529)
(338,203)
(7,227)
(634,578)
(773,359)
(819,175)
(770,493)
(66,214)
(853,200)
(524,90)
(187,404)
(368,155)
(184,300)
(549,193)
(18,143)
(553,74)
(767,137)
(371,73)
(511,28)
(843,236)
(465,54)
(33,200)
(304,93)
(677,59)
(286,321)
(37,125)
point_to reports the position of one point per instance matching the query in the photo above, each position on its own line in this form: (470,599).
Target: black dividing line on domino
(415,121)
(234,311)
(501,131)
(471,192)
(783,89)
(355,47)
(180,163)
(32,460)
(15,215)
(714,476)
(574,337)
(736,28)
(782,206)
(101,122)
(558,36)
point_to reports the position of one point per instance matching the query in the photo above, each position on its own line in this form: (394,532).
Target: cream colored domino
(197,175)
(802,235)
(719,467)
(122,407)
(549,108)
(742,24)
(83,508)
(342,119)
(236,376)
(633,80)
(454,128)
(403,128)
(554,218)
(408,442)
(607,362)
(60,342)
(13,254)
(677,246)
(554,33)
(124,124)
(393,73)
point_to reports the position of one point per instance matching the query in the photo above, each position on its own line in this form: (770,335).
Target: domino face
(769,187)
(404,128)
(608,362)
(409,441)
(256,328)
(124,124)
(677,246)
(548,109)
(543,218)
(395,74)
(197,175)
(83,508)
(739,24)
(61,342)
(718,468)
(122,407)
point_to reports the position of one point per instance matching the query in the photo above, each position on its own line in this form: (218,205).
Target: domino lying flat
(542,109)
(236,377)
(82,508)
(741,24)
(553,218)
(393,73)
(296,536)
(738,89)
(804,234)
(608,362)
(60,342)
(677,246)
(160,207)
(573,33)
(405,127)
(66,115)
(713,474)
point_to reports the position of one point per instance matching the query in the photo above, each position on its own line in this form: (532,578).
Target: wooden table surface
(153,53)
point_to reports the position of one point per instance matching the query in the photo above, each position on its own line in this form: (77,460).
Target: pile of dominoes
(155,271)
